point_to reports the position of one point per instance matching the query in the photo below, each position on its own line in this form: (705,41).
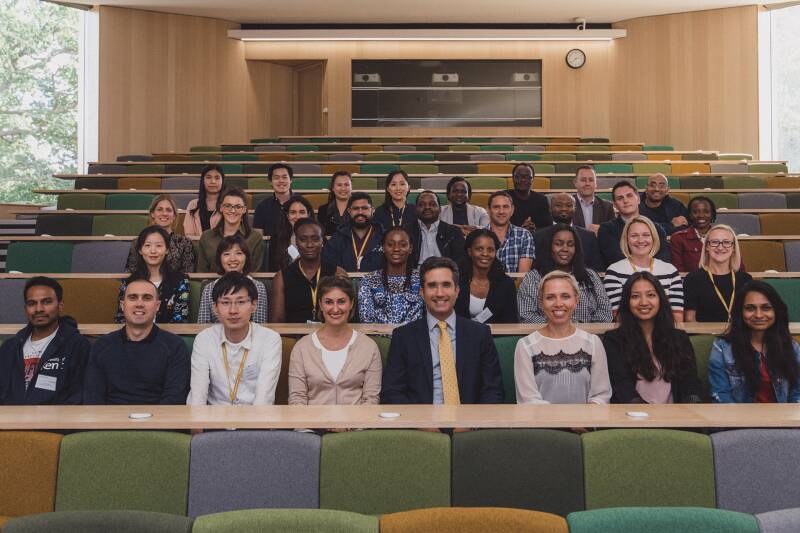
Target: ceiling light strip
(426,35)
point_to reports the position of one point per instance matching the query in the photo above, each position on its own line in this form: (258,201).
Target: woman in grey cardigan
(459,211)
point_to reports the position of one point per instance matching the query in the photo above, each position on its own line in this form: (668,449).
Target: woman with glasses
(232,203)
(180,254)
(711,291)
(396,211)
(334,213)
(202,213)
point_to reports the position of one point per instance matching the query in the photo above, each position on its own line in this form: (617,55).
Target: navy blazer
(408,374)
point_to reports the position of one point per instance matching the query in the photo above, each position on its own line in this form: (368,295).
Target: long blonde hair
(157,200)
(735,261)
(623,240)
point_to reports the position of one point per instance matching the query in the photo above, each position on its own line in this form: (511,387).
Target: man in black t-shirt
(531,210)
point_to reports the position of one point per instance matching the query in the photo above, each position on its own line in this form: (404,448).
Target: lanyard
(635,269)
(360,253)
(727,305)
(235,388)
(314,291)
(400,219)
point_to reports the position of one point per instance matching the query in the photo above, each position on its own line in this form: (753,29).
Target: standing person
(202,213)
(458,211)
(657,205)
(356,247)
(268,213)
(282,248)
(335,365)
(294,289)
(180,253)
(756,360)
(441,358)
(44,363)
(334,213)
(562,208)
(396,211)
(486,294)
(710,291)
(232,203)
(235,362)
(686,245)
(390,295)
(639,242)
(233,255)
(649,359)
(173,287)
(592,210)
(516,250)
(565,254)
(432,237)
(139,364)
(560,363)
(531,210)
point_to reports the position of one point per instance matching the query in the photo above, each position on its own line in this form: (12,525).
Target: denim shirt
(728,385)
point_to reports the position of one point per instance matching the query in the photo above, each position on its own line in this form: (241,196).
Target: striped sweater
(618,273)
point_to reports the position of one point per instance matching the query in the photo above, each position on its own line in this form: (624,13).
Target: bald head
(562,207)
(657,189)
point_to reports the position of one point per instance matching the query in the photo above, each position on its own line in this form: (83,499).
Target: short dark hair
(233,282)
(583,167)
(514,170)
(495,194)
(44,281)
(620,184)
(698,199)
(456,179)
(307,222)
(278,166)
(433,263)
(427,191)
(359,195)
(229,242)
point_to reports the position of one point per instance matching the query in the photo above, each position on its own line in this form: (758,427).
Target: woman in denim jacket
(756,360)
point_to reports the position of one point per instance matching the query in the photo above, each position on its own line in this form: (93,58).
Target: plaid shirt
(593,302)
(518,245)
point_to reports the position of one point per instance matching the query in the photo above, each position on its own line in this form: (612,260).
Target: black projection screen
(446,93)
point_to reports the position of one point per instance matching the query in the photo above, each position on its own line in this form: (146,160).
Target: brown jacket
(358,383)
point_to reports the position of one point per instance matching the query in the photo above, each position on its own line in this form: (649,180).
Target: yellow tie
(447,364)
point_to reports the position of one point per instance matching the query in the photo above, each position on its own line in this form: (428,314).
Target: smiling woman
(180,254)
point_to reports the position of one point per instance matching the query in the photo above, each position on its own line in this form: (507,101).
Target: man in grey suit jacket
(590,211)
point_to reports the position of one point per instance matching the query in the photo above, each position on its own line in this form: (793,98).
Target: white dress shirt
(427,246)
(588,210)
(212,385)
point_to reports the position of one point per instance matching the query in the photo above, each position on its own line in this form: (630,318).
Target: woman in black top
(334,213)
(710,291)
(486,293)
(396,211)
(283,250)
(649,359)
(294,288)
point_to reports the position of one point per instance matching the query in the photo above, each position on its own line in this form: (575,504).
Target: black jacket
(449,240)
(64,360)
(339,250)
(501,300)
(591,253)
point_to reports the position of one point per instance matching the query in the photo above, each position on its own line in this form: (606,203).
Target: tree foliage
(786,85)
(38,96)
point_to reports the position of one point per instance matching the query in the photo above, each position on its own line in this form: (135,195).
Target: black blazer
(501,301)
(449,240)
(591,253)
(408,374)
(383,217)
(602,211)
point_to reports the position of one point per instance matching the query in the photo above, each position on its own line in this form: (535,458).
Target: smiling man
(44,363)
(433,237)
(356,247)
(441,358)
(268,213)
(516,250)
(657,205)
(531,211)
(562,208)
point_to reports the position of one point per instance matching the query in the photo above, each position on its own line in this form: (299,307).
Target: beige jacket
(358,383)
(191,223)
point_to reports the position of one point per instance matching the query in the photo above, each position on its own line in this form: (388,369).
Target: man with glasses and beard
(356,247)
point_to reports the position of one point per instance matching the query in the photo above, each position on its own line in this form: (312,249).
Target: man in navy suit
(441,358)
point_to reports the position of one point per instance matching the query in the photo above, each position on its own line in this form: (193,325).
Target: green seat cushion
(100,522)
(661,520)
(286,520)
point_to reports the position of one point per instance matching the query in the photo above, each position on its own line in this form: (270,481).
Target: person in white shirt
(235,362)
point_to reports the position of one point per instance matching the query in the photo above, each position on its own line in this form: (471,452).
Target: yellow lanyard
(235,388)
(635,269)
(727,305)
(314,291)
(360,253)
(391,215)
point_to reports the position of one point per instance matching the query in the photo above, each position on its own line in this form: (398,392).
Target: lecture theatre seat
(740,222)
(64,224)
(783,521)
(87,200)
(460,520)
(39,257)
(100,522)
(761,200)
(660,520)
(100,256)
(28,472)
(286,520)
(760,256)
(129,201)
(13,310)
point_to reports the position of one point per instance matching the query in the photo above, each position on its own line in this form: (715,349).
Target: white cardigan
(476,215)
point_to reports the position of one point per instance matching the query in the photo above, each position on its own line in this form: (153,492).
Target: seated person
(756,360)
(139,364)
(656,204)
(282,249)
(294,289)
(432,237)
(356,247)
(180,253)
(626,201)
(531,211)
(639,243)
(390,295)
(335,365)
(649,359)
(458,211)
(710,291)
(44,363)
(560,363)
(485,292)
(421,367)
(232,203)
(173,287)
(593,210)
(235,362)
(233,255)
(268,212)
(516,250)
(562,209)
(201,213)
(334,213)
(565,254)
(396,211)
(686,244)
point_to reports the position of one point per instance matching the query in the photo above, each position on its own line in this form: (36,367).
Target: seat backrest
(294,520)
(420,169)
(487,157)
(761,200)
(743,182)
(647,169)
(139,184)
(780,223)
(128,201)
(613,168)
(434,183)
(783,182)
(125,225)
(180,182)
(629,156)
(609,182)
(368,471)
(69,224)
(100,522)
(661,520)
(760,256)
(37,256)
(699,182)
(740,222)
(792,251)
(789,290)
(95,183)
(767,168)
(13,310)
(182,199)
(130,470)
(728,167)
(783,521)
(81,200)
(500,169)
(727,200)
(100,308)
(472,521)
(701,345)
(99,168)
(28,471)
(100,256)
(270,148)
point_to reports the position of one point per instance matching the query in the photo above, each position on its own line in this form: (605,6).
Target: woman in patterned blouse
(180,253)
(152,265)
(391,295)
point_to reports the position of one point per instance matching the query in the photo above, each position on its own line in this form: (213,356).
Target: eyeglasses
(232,207)
(227,304)
(717,243)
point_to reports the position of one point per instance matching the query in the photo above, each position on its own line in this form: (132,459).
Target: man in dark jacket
(356,247)
(432,237)
(657,205)
(44,363)
(562,208)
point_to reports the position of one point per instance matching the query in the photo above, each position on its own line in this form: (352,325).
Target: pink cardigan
(191,223)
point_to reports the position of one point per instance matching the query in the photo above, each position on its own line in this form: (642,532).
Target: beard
(361,223)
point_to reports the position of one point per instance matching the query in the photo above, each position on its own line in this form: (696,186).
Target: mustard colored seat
(28,472)
(760,256)
(472,520)
(780,223)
